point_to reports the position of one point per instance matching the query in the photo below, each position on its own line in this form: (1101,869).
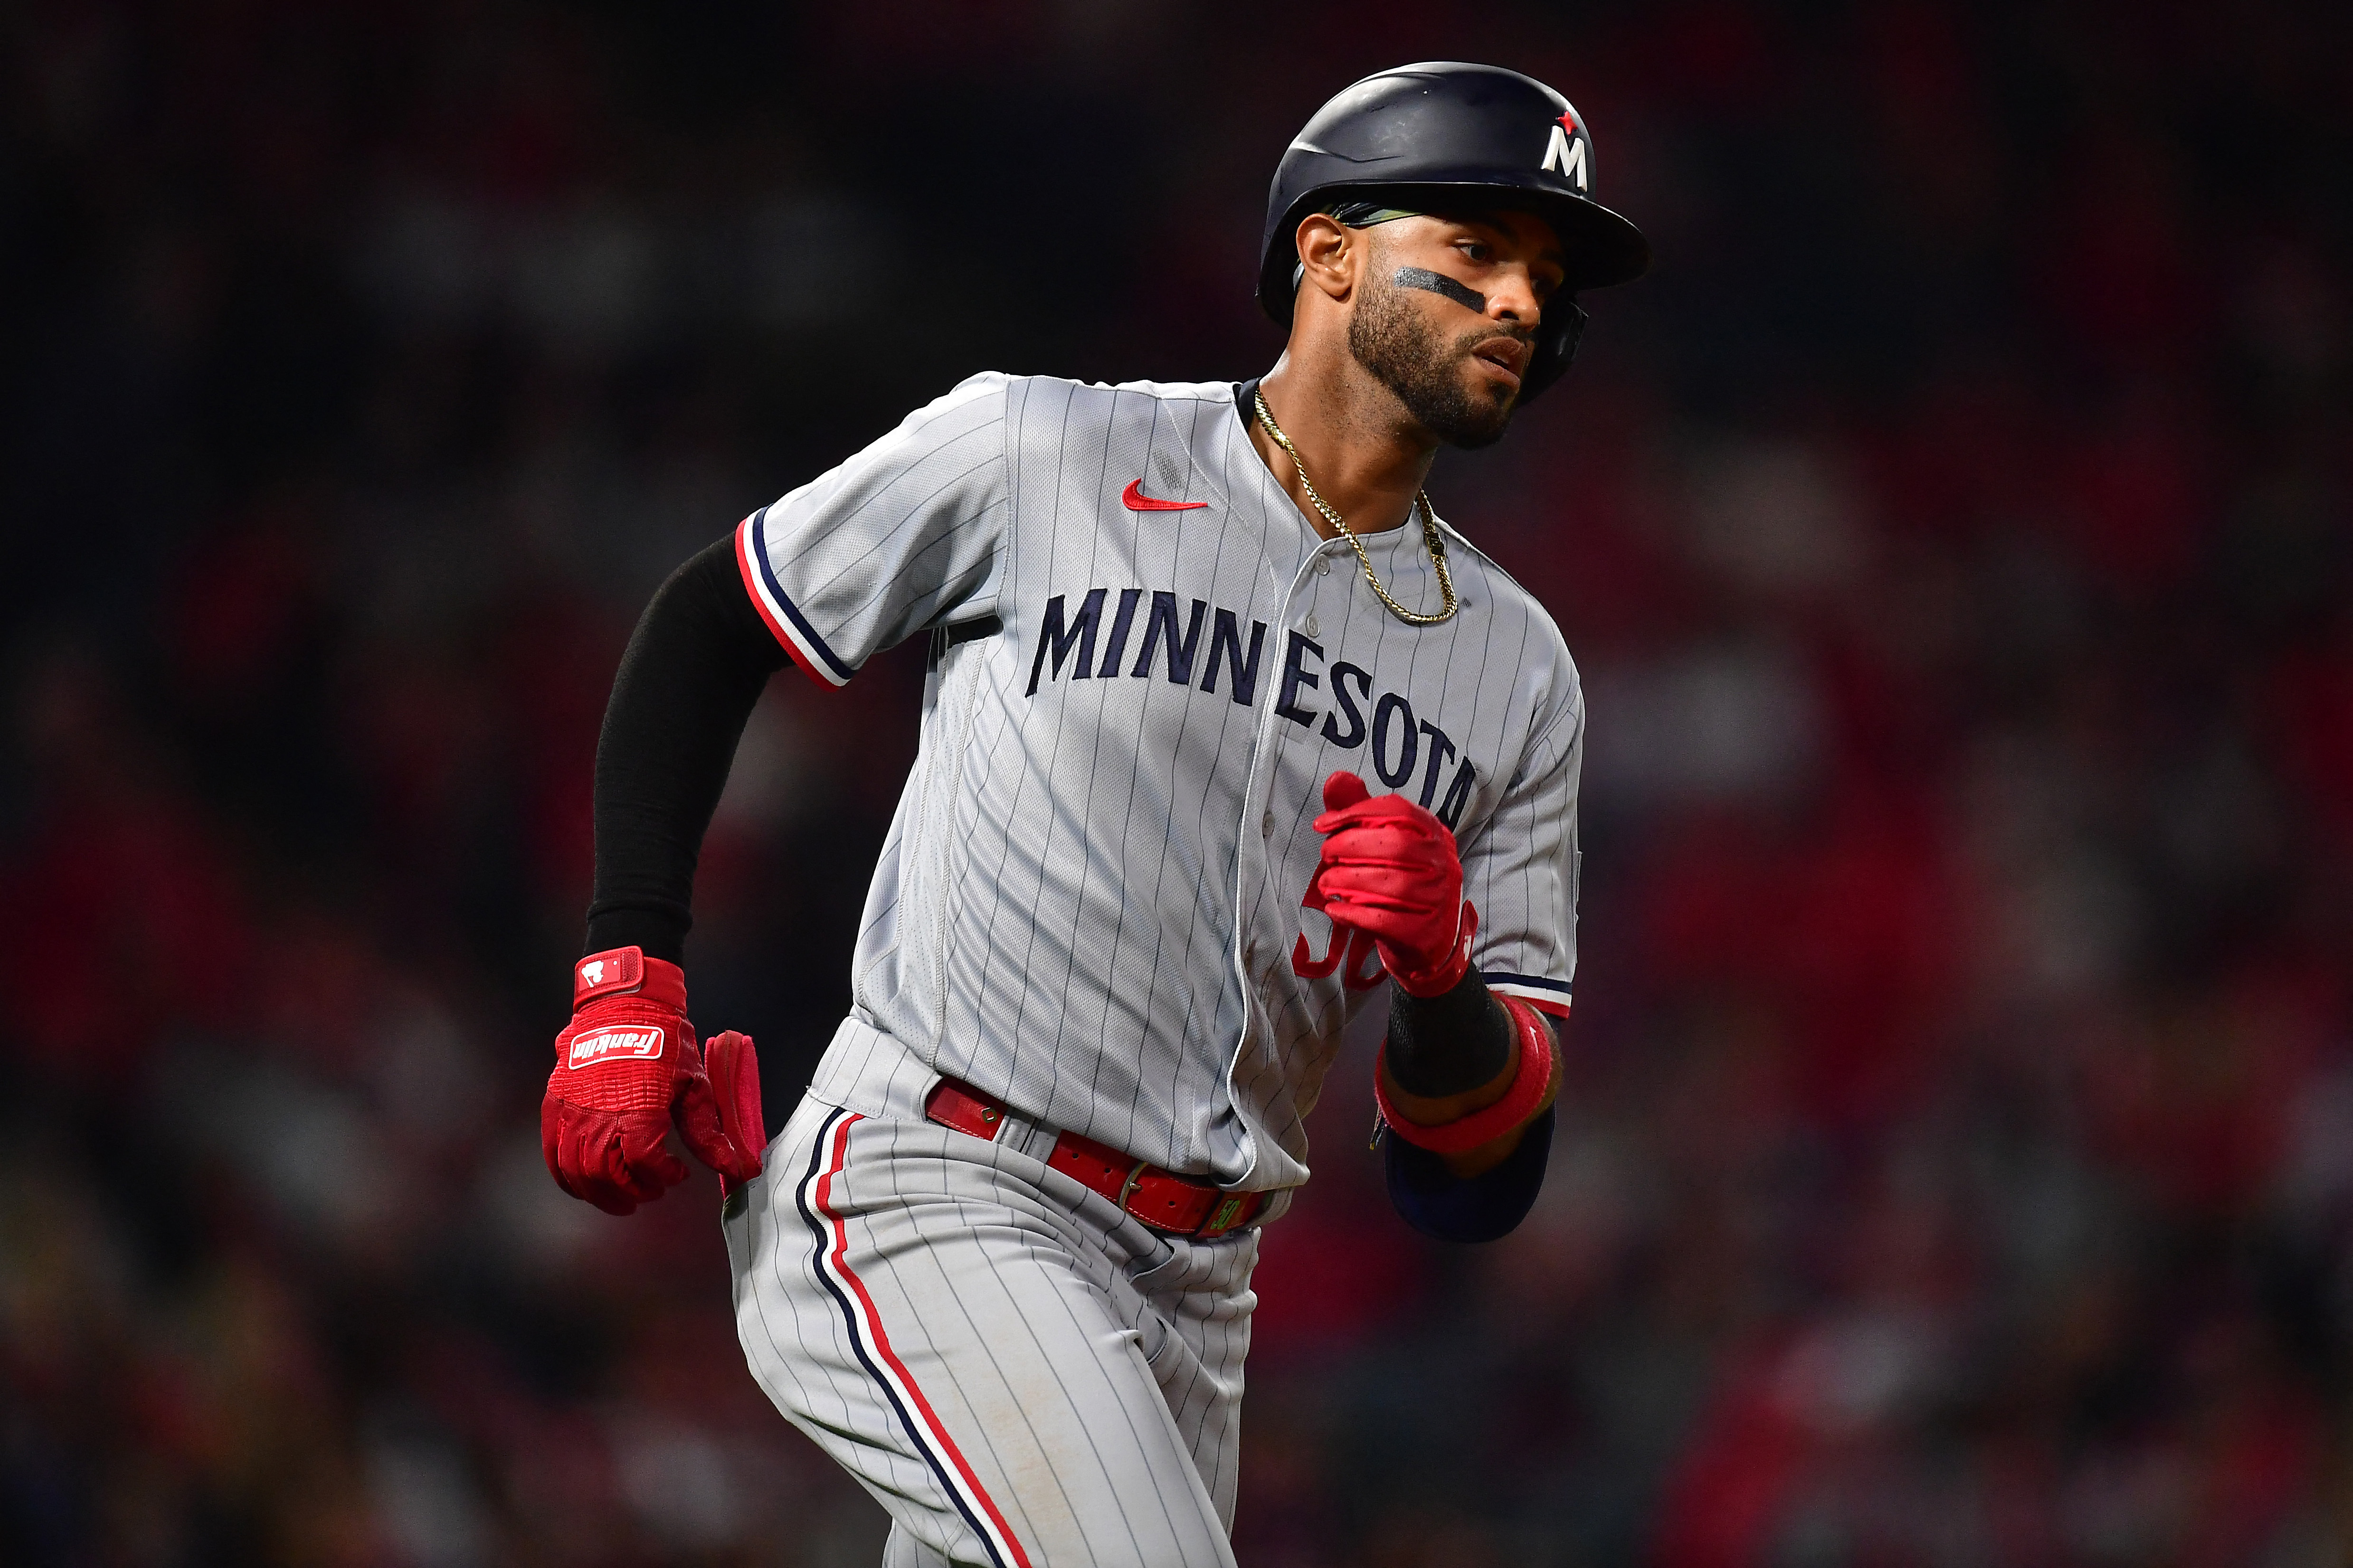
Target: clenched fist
(1390,870)
(627,1070)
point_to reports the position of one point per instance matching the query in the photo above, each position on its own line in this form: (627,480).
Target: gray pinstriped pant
(1021,1375)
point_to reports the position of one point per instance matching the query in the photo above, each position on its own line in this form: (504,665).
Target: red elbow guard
(1532,1042)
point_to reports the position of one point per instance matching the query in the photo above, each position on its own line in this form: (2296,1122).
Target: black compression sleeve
(694,668)
(1447,1045)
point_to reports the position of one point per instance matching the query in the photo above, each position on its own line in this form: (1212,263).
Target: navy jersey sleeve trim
(1505,979)
(799,638)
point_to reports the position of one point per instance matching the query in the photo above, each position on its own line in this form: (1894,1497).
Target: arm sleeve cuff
(1438,1202)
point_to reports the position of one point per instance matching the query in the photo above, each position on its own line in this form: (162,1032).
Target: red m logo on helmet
(1566,152)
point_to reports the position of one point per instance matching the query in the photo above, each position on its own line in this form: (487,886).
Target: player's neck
(1364,456)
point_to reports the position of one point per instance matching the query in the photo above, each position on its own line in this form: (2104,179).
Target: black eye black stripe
(1438,283)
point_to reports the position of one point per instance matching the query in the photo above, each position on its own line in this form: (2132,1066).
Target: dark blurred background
(1958,1162)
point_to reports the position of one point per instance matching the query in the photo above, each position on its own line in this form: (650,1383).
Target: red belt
(1161,1199)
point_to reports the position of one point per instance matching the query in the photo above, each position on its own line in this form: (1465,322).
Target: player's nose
(1513,298)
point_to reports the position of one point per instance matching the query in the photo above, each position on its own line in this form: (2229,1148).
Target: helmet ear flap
(1556,349)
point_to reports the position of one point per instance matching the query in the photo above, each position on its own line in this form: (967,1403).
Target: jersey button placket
(1257,860)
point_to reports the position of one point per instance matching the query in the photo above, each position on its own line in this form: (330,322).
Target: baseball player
(1225,735)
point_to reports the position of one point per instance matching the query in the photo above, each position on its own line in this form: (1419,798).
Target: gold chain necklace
(1430,539)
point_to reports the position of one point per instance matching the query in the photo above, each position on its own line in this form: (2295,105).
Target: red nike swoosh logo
(1134,500)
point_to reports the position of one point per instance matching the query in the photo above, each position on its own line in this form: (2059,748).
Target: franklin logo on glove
(588,1050)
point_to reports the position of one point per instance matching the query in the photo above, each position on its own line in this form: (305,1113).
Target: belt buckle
(1128,1186)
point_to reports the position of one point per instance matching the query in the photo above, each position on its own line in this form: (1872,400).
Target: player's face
(1446,315)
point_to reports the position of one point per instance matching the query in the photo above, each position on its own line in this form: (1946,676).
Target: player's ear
(1331,253)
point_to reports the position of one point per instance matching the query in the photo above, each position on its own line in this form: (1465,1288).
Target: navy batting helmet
(1442,137)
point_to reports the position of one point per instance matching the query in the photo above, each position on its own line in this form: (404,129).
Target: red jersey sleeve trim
(783,617)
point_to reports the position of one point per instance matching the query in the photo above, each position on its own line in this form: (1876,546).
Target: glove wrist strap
(1536,1064)
(1448,971)
(627,971)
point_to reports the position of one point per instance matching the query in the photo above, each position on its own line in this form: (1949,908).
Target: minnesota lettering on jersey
(1401,743)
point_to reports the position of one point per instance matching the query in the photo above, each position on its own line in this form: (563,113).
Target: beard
(1391,339)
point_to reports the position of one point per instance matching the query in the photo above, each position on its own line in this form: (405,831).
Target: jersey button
(1266,825)
(1313,629)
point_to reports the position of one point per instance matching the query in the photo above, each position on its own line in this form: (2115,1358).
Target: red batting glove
(1390,870)
(736,1079)
(627,1070)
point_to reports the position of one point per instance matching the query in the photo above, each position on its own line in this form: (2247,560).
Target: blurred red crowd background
(1958,1162)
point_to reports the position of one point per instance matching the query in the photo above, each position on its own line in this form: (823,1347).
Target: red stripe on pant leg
(882,1341)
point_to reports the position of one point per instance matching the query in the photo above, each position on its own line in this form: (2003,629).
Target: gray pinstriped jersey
(1090,901)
